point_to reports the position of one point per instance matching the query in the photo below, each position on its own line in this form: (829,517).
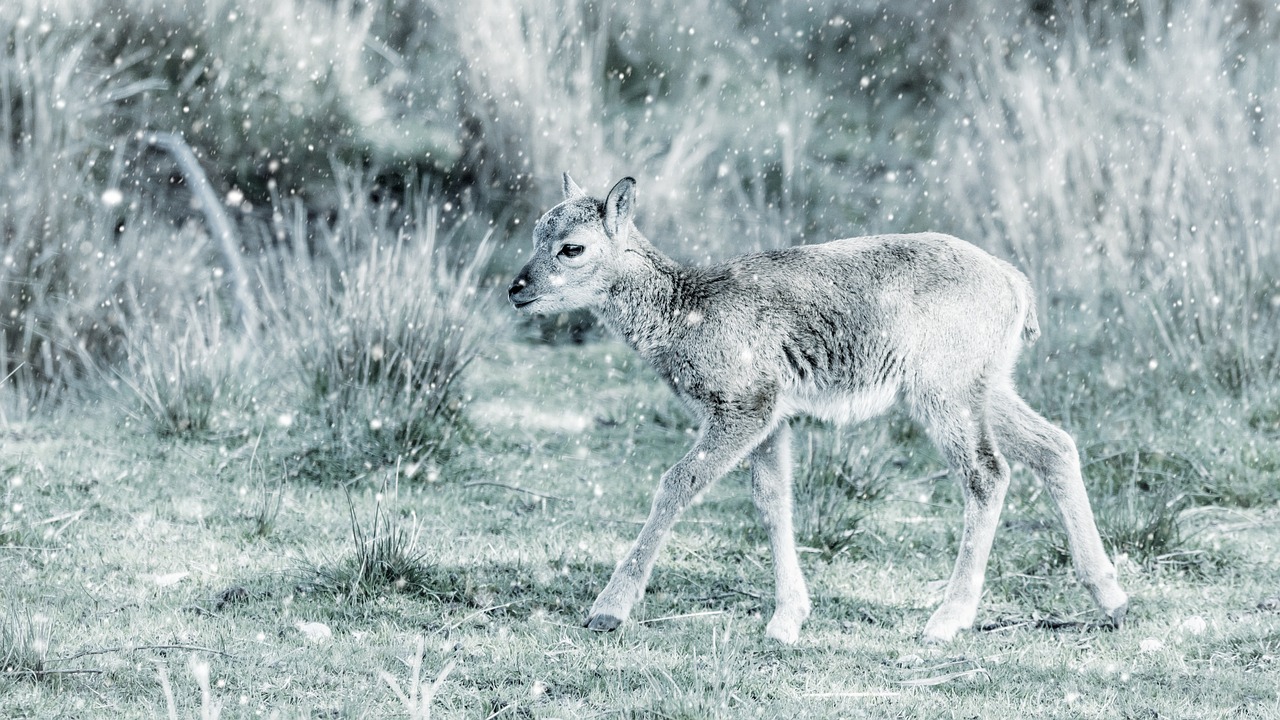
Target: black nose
(516,287)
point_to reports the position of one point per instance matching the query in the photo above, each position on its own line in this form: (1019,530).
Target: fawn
(841,331)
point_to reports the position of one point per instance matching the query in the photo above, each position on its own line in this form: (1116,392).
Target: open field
(129,555)
(272,443)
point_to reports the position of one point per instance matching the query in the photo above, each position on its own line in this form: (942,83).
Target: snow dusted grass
(377,323)
(145,551)
(1128,161)
(185,559)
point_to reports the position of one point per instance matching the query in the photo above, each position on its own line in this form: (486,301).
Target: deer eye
(571,251)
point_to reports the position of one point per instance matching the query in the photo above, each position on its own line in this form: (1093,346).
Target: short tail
(1030,323)
(1025,298)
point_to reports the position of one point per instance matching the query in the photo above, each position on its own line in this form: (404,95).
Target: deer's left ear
(571,189)
(618,206)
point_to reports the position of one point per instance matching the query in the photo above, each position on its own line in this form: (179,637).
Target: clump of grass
(269,498)
(385,556)
(1138,509)
(180,379)
(380,327)
(710,690)
(66,257)
(835,486)
(24,644)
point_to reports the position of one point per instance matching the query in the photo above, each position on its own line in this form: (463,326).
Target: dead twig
(139,648)
(478,613)
(940,679)
(513,488)
(38,673)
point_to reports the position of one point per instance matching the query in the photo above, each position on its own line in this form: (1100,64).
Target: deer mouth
(521,304)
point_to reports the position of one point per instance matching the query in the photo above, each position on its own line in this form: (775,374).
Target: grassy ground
(199,516)
(130,559)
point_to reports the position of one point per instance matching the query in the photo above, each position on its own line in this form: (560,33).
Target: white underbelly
(837,406)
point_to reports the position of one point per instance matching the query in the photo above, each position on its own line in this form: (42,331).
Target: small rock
(315,632)
(1194,625)
(908,661)
(170,578)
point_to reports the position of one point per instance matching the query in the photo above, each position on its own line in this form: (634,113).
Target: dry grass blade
(852,695)
(946,678)
(682,616)
(167,689)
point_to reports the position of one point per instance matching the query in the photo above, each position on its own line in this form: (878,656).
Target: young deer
(840,331)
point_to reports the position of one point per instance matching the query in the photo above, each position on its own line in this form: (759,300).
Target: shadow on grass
(560,593)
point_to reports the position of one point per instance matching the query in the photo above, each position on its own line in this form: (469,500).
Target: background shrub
(1120,153)
(378,324)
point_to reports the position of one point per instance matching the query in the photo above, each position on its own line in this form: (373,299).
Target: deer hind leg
(1051,454)
(722,444)
(771,490)
(962,432)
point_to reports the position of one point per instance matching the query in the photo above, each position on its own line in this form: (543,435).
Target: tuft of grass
(1140,503)
(380,326)
(73,245)
(24,643)
(180,379)
(710,691)
(385,556)
(269,499)
(835,487)
(417,699)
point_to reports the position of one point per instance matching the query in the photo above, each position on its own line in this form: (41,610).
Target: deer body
(841,331)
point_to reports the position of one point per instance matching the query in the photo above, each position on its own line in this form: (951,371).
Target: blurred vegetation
(1122,153)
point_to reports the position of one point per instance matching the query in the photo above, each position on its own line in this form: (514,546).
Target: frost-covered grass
(1123,155)
(1129,162)
(178,377)
(374,322)
(143,551)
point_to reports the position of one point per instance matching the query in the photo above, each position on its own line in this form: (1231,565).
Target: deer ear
(571,189)
(619,205)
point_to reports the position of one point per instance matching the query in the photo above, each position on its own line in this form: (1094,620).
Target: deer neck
(642,306)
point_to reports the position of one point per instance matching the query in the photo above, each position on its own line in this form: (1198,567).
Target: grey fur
(841,331)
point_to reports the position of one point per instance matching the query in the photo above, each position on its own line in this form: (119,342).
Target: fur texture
(841,331)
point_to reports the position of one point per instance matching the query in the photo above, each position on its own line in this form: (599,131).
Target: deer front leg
(723,443)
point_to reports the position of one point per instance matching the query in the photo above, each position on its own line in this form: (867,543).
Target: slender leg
(1051,454)
(723,443)
(771,490)
(967,441)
